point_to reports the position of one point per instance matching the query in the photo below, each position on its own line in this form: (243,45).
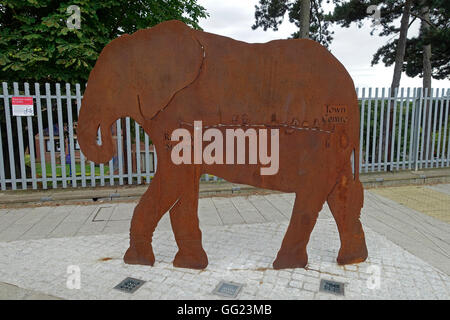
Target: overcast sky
(354,47)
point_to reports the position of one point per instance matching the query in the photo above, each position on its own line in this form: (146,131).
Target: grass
(59,169)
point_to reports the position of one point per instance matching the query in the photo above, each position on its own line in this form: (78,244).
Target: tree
(355,11)
(307,15)
(413,55)
(437,33)
(37,45)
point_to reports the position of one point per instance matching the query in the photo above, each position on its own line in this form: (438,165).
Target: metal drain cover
(330,286)
(228,289)
(129,285)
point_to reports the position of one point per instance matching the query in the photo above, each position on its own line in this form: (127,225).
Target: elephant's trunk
(88,124)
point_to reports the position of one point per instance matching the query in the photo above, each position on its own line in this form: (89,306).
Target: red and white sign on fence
(22,106)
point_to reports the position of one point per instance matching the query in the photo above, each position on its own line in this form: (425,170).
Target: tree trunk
(401,46)
(424,27)
(305,7)
(399,58)
(426,73)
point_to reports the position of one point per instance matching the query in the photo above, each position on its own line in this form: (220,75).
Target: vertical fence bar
(380,143)
(101,165)
(374,138)
(155,160)
(422,120)
(92,164)
(110,163)
(129,162)
(441,111)
(412,140)
(400,118)
(388,123)
(147,158)
(12,166)
(102,174)
(2,163)
(405,134)
(138,151)
(82,157)
(434,105)
(71,142)
(31,142)
(361,132)
(394,119)
(51,134)
(62,143)
(120,151)
(428,133)
(23,175)
(41,135)
(426,108)
(445,132)
(448,145)
(369,105)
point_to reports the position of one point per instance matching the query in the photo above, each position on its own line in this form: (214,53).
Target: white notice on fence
(22,106)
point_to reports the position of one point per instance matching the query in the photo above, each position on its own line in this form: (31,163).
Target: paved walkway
(407,248)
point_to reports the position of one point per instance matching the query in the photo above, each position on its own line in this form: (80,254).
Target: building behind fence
(406,130)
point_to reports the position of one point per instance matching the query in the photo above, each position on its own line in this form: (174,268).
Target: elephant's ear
(167,59)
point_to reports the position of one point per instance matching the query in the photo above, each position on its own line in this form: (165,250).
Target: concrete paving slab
(283,206)
(422,199)
(14,232)
(247,211)
(424,236)
(12,292)
(227,211)
(123,211)
(444,188)
(266,208)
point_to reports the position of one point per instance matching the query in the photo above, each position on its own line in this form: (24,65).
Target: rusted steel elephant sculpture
(169,76)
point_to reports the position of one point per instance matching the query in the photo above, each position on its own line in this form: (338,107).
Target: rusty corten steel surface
(169,76)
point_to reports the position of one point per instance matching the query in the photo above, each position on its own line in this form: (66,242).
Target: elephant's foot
(140,254)
(191,257)
(291,259)
(352,253)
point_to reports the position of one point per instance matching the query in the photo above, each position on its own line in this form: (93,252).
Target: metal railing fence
(406,130)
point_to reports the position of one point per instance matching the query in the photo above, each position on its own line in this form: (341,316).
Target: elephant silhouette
(169,76)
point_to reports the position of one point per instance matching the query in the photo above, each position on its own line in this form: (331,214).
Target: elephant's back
(280,82)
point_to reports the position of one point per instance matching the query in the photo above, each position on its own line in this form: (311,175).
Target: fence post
(12,167)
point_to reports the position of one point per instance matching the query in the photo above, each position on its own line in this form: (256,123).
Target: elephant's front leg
(292,253)
(160,196)
(185,225)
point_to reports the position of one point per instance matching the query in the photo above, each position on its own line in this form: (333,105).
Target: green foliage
(37,46)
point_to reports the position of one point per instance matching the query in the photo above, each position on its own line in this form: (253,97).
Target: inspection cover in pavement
(129,285)
(228,289)
(332,287)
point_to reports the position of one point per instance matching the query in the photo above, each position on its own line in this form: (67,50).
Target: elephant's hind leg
(185,225)
(153,204)
(345,202)
(293,253)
